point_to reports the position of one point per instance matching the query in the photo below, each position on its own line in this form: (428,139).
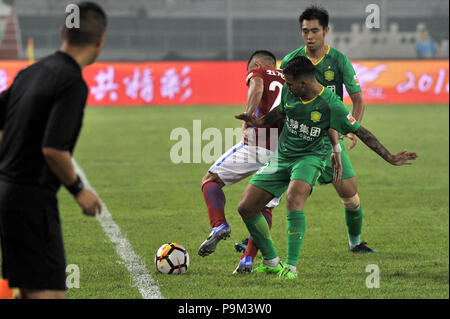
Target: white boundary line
(144,282)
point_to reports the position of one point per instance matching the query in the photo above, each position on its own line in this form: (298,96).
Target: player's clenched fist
(89,202)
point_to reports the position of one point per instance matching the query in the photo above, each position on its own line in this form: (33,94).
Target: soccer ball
(172,258)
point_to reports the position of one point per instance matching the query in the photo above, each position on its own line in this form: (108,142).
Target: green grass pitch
(125,153)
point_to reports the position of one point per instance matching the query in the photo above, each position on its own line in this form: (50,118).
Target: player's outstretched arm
(250,120)
(401,158)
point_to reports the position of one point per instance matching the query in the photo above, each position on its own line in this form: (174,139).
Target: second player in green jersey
(334,70)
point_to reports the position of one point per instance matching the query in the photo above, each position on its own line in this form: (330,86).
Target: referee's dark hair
(92,25)
(315,13)
(262,54)
(299,66)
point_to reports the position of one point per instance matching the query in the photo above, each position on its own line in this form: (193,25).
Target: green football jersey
(307,122)
(333,71)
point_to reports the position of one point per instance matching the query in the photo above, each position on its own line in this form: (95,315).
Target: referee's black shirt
(43,108)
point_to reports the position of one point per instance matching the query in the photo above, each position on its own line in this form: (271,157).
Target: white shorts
(239,162)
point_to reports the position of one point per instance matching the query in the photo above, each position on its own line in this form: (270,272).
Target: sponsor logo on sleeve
(351,119)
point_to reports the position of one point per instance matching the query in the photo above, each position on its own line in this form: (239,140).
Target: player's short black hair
(315,13)
(262,54)
(93,23)
(299,66)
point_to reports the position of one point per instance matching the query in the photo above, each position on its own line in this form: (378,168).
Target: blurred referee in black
(40,118)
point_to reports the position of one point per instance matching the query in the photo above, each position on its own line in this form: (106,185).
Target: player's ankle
(272,262)
(218,223)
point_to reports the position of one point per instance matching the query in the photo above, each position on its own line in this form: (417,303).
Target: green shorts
(347,168)
(275,176)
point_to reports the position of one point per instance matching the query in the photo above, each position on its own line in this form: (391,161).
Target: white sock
(293,269)
(272,262)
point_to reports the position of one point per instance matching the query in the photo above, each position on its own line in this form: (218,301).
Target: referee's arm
(60,163)
(61,134)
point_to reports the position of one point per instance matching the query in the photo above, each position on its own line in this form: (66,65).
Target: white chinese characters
(105,85)
(302,130)
(142,85)
(173,83)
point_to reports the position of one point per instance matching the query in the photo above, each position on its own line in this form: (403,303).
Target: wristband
(337,148)
(76,187)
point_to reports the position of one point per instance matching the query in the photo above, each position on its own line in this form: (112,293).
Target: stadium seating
(198,29)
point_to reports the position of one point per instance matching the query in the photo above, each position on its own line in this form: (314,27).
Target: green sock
(296,227)
(354,221)
(259,229)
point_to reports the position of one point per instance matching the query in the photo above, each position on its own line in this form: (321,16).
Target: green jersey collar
(328,51)
(306,102)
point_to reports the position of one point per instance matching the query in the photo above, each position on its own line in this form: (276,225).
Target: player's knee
(243,210)
(246,210)
(351,203)
(295,201)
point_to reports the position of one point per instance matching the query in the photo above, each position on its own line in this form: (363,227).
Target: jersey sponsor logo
(302,130)
(316,116)
(351,119)
(287,105)
(356,79)
(315,131)
(332,88)
(329,75)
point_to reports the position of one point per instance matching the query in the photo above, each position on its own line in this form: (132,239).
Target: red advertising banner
(397,82)
(223,83)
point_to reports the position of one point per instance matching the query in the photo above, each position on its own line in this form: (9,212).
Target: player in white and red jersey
(264,83)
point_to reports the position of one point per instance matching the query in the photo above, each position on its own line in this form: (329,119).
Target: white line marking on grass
(147,286)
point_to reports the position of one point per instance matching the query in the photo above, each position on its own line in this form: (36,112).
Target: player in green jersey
(334,70)
(309,110)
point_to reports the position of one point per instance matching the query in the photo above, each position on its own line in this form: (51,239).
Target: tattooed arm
(250,120)
(401,158)
(273,116)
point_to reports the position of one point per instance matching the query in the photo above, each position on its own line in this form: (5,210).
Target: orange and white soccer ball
(172,258)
